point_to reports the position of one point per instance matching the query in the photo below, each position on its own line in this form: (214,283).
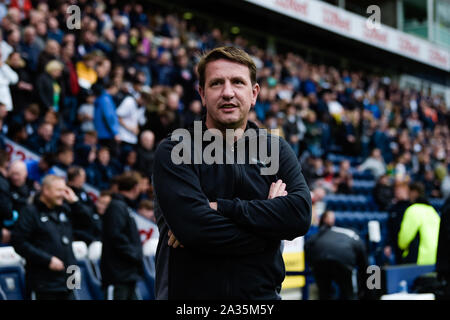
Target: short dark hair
(73,172)
(49,158)
(229,53)
(4,158)
(127,182)
(417,186)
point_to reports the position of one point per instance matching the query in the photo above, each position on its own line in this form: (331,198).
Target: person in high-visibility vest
(419,231)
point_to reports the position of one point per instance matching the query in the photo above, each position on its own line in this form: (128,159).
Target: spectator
(383,193)
(84,227)
(51,52)
(22,93)
(396,210)
(21,187)
(6,206)
(146,209)
(131,114)
(7,77)
(375,164)
(86,150)
(38,169)
(121,263)
(64,157)
(86,112)
(146,153)
(100,172)
(43,140)
(29,119)
(343,179)
(29,48)
(50,88)
(106,120)
(418,235)
(43,236)
(333,253)
(294,129)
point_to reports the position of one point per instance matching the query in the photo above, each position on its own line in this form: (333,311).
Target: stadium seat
(94,255)
(90,285)
(12,275)
(408,272)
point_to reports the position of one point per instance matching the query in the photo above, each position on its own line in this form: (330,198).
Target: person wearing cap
(43,236)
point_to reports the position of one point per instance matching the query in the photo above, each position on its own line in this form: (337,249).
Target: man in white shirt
(131,113)
(7,77)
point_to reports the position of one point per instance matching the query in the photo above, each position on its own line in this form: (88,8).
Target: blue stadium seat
(407,272)
(12,283)
(91,287)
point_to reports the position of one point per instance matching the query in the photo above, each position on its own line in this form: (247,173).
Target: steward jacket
(41,233)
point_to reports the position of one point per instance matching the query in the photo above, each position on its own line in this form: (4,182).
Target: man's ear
(255,91)
(201,92)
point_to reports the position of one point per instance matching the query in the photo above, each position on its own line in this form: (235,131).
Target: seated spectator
(21,187)
(383,193)
(86,113)
(131,114)
(64,157)
(343,179)
(5,200)
(85,152)
(129,160)
(43,140)
(193,113)
(29,118)
(38,169)
(51,52)
(18,133)
(146,153)
(100,172)
(86,73)
(66,139)
(374,164)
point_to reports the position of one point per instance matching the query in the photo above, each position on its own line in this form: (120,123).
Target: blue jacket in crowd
(106,121)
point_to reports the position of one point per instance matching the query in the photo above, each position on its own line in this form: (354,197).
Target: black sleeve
(443,251)
(6,207)
(114,231)
(280,218)
(188,215)
(21,237)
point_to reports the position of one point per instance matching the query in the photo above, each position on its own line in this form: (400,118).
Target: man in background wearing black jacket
(121,264)
(43,236)
(333,254)
(5,199)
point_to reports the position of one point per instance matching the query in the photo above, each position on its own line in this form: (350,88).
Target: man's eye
(239,82)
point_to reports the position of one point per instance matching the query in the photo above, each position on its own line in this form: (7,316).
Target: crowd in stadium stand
(103,97)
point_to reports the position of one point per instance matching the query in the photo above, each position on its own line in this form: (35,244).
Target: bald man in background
(21,188)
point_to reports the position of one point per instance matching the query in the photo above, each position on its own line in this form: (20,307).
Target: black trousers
(121,292)
(66,295)
(325,272)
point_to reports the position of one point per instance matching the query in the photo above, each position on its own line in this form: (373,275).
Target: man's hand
(277,189)
(70,196)
(173,242)
(56,264)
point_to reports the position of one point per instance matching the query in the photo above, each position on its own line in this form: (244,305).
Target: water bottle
(403,286)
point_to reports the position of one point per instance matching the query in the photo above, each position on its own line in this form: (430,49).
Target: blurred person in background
(419,230)
(333,254)
(43,236)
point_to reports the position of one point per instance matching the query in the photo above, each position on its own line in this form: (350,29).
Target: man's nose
(227,92)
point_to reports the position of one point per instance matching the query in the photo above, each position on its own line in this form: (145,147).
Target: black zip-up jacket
(41,233)
(234,252)
(122,257)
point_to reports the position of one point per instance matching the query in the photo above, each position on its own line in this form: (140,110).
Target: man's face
(228,94)
(102,203)
(54,193)
(17,175)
